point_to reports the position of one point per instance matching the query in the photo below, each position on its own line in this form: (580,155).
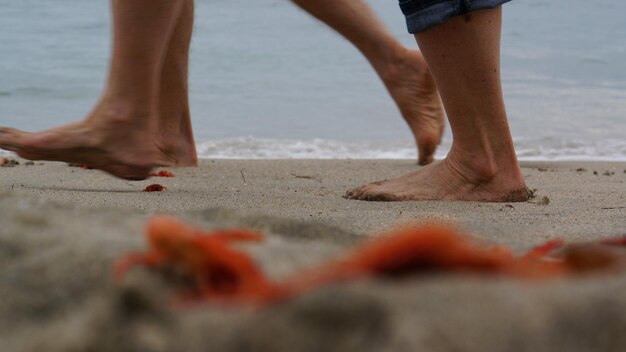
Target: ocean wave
(527,149)
(265,148)
(555,149)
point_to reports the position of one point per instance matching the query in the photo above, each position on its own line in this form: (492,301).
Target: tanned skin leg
(404,72)
(175,137)
(464,57)
(121,135)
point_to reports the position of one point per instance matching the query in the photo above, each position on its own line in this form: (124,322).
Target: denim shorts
(423,14)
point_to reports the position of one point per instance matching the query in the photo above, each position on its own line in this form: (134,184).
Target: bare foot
(446,180)
(106,140)
(412,87)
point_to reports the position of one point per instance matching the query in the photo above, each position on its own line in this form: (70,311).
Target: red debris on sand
(222,273)
(162,173)
(4,162)
(155,188)
(82,166)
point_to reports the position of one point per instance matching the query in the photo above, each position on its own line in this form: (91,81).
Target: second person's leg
(403,71)
(464,56)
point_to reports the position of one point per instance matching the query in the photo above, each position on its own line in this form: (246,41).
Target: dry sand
(61,228)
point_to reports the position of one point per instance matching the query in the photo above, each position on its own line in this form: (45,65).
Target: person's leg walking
(175,133)
(120,135)
(464,56)
(403,71)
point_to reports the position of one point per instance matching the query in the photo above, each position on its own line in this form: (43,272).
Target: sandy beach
(63,227)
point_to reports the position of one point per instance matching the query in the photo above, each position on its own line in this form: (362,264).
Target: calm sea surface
(268,81)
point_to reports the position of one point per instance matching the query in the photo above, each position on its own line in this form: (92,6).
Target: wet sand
(62,228)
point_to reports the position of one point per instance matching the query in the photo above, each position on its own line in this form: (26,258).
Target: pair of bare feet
(115,139)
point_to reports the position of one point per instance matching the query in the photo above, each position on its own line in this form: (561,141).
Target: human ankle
(483,165)
(112,110)
(474,170)
(388,60)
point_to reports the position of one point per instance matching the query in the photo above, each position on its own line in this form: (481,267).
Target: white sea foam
(551,149)
(258,148)
(264,148)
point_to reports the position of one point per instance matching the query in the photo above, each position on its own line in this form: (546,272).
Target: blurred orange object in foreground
(221,273)
(217,270)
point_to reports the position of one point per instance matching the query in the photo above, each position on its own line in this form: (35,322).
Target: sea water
(269,81)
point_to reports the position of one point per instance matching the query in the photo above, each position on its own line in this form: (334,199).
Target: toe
(8,130)
(358,193)
(9,138)
(367,192)
(352,194)
(379,197)
(374,192)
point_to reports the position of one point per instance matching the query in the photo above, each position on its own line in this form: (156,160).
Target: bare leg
(175,137)
(403,71)
(464,56)
(121,135)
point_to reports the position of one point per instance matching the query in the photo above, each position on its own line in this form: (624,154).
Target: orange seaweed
(224,274)
(428,249)
(219,271)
